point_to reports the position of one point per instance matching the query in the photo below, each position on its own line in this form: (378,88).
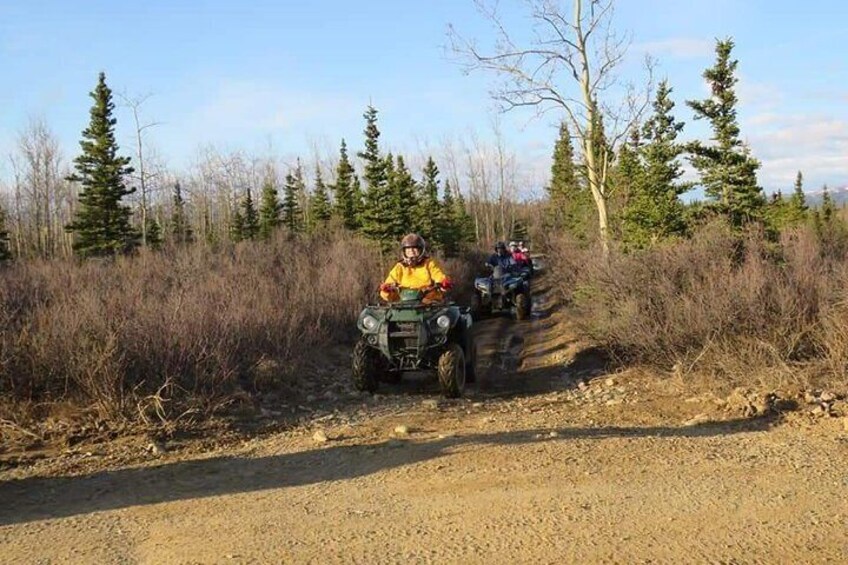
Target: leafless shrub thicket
(732,307)
(185,328)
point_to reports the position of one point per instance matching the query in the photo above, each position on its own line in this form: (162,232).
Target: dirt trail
(550,461)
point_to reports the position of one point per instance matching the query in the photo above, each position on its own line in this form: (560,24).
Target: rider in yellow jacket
(415,270)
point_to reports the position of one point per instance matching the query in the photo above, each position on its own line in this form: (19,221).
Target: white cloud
(814,144)
(678,47)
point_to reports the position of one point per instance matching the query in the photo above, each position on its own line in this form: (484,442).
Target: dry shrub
(176,332)
(720,303)
(462,271)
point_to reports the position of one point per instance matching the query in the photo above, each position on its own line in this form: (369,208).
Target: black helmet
(500,247)
(415,241)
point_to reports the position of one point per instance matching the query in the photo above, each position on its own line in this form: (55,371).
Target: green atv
(413,335)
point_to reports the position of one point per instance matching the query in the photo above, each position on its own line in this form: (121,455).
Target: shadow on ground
(40,498)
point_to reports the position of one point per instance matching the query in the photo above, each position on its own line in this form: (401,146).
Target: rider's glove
(446,284)
(387,287)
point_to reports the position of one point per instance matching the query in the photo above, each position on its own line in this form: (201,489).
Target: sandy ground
(550,459)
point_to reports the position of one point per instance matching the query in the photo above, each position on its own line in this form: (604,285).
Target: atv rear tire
(366,367)
(452,371)
(523,305)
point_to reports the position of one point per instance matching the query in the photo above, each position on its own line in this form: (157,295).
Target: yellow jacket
(422,275)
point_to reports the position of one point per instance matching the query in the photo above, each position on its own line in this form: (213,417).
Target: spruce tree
(378,209)
(570,204)
(828,208)
(463,221)
(405,204)
(797,209)
(777,211)
(292,214)
(654,210)
(302,196)
(358,202)
(449,229)
(237,232)
(250,226)
(269,210)
(391,216)
(5,247)
(180,228)
(345,206)
(154,233)
(728,171)
(428,212)
(102,223)
(321,209)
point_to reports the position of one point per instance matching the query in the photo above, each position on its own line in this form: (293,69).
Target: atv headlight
(370,323)
(443,321)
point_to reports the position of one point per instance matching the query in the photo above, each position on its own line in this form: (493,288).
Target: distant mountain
(838,194)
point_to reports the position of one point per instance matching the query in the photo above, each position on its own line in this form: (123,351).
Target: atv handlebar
(426,290)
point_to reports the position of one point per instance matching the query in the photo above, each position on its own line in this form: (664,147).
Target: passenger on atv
(519,253)
(416,270)
(503,258)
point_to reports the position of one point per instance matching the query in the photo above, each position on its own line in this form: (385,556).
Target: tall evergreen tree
(570,204)
(269,209)
(250,227)
(628,174)
(463,220)
(345,206)
(428,212)
(292,213)
(358,202)
(302,195)
(405,203)
(180,227)
(828,208)
(378,218)
(321,209)
(777,211)
(654,210)
(727,169)
(5,248)
(797,209)
(450,235)
(102,223)
(154,233)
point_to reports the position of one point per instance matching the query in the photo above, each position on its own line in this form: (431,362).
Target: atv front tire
(452,371)
(366,367)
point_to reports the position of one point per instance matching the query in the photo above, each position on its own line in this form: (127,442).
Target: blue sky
(243,75)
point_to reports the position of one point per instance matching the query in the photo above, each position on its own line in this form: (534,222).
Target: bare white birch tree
(142,173)
(568,64)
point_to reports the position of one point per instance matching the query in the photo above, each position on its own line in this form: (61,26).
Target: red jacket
(521,258)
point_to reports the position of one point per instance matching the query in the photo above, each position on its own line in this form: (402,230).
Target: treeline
(110,203)
(735,290)
(645,176)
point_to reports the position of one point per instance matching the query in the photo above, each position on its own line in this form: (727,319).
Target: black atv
(414,335)
(501,291)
